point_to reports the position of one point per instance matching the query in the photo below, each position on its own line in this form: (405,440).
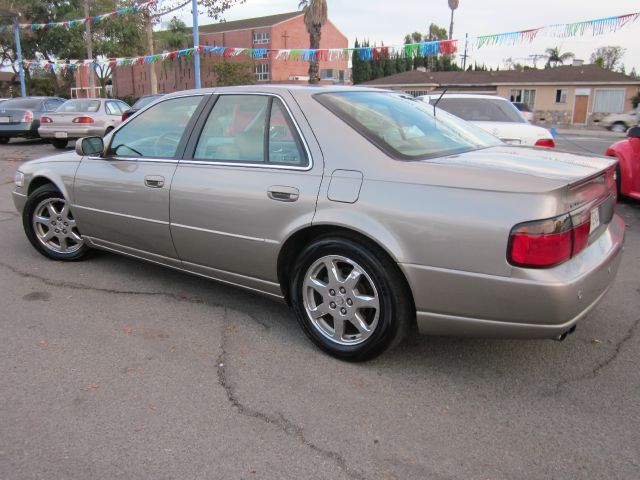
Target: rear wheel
(59,143)
(351,300)
(51,227)
(619,127)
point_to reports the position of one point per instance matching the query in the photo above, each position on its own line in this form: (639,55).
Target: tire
(4,140)
(59,143)
(380,297)
(50,226)
(108,131)
(619,127)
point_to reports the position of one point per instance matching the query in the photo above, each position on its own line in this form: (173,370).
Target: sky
(388,23)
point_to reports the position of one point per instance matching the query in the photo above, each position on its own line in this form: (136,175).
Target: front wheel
(351,300)
(619,127)
(51,227)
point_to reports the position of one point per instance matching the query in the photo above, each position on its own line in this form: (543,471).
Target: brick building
(282,31)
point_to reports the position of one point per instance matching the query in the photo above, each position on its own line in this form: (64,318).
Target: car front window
(157,131)
(403,127)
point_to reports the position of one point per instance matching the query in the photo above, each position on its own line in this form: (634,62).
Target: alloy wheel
(55,227)
(341,300)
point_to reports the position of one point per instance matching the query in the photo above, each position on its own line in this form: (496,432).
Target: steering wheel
(165,142)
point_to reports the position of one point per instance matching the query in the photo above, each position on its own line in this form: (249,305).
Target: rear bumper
(531,303)
(72,133)
(27,129)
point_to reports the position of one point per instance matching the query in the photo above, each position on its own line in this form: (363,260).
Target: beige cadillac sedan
(364,210)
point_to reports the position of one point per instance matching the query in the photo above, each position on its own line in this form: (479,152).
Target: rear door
(122,200)
(250,177)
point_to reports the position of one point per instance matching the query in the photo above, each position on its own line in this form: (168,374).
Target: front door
(252,177)
(122,200)
(580,109)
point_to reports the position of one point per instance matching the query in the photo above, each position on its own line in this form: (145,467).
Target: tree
(555,57)
(315,16)
(214,8)
(608,57)
(176,36)
(234,73)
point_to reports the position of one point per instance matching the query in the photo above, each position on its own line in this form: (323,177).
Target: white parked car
(621,122)
(495,115)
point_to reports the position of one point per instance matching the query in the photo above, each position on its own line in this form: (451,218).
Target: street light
(16,32)
(453,5)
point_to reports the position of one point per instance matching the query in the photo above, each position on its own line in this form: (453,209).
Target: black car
(20,117)
(141,103)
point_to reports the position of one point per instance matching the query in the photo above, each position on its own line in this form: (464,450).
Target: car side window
(112,108)
(52,105)
(241,126)
(157,132)
(235,130)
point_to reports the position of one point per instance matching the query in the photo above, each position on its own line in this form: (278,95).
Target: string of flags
(424,49)
(81,21)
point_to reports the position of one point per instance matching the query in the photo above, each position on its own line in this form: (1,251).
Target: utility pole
(196,44)
(87,30)
(464,57)
(16,32)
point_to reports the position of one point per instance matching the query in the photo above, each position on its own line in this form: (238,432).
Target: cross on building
(285,36)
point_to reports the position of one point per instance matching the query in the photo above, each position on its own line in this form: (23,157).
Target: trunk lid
(11,116)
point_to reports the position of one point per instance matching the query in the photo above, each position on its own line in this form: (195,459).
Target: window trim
(188,157)
(566,96)
(619,89)
(180,150)
(259,74)
(265,37)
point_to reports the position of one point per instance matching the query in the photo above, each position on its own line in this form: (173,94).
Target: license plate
(5,119)
(61,134)
(512,141)
(595,220)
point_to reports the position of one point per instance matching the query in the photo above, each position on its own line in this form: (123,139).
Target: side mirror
(90,146)
(634,132)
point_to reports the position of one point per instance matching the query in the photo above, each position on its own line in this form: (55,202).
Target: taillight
(46,120)
(28,116)
(125,115)
(83,120)
(547,243)
(546,142)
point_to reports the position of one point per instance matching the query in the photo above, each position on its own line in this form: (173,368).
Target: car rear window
(22,103)
(405,128)
(73,106)
(481,109)
(144,101)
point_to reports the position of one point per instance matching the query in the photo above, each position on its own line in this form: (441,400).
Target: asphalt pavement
(113,368)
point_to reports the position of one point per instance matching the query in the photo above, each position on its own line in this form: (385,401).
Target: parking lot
(117,369)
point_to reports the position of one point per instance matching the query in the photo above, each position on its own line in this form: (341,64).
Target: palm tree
(555,57)
(315,16)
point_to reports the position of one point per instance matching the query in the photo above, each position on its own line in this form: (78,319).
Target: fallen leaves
(90,388)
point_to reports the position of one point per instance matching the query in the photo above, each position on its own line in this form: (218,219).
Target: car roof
(307,89)
(464,95)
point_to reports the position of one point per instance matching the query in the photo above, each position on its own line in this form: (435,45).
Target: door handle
(283,194)
(154,181)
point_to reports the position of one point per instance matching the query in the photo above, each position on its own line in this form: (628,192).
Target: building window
(260,38)
(609,100)
(525,96)
(561,95)
(262,72)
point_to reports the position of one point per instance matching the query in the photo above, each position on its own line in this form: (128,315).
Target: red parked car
(628,170)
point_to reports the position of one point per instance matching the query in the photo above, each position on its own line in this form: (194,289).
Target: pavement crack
(600,365)
(277,420)
(110,291)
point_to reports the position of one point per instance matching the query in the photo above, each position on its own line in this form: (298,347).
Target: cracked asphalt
(117,369)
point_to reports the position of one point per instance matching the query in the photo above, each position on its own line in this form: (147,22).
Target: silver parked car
(358,207)
(81,117)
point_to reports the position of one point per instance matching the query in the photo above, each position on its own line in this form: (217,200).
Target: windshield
(481,109)
(73,106)
(144,101)
(405,128)
(32,103)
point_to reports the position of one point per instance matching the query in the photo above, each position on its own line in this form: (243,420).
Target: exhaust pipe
(561,338)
